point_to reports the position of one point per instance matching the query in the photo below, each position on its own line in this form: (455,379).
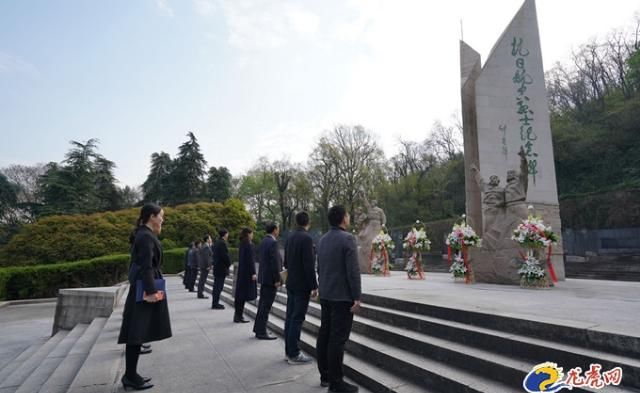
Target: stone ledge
(82,305)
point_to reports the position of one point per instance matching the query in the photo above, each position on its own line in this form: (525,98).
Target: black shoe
(146,346)
(191,290)
(203,297)
(144,351)
(324,383)
(143,379)
(217,307)
(127,383)
(240,320)
(265,336)
(343,387)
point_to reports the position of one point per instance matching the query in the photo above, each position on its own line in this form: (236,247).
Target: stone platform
(608,306)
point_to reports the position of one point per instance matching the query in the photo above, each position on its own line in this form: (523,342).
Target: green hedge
(31,282)
(173,261)
(81,237)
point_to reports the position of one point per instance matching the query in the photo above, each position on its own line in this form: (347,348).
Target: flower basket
(379,256)
(533,235)
(415,243)
(462,237)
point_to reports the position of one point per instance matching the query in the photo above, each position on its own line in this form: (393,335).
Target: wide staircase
(622,268)
(399,346)
(50,366)
(396,346)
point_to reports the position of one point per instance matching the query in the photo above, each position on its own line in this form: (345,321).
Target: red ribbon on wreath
(467,276)
(371,254)
(417,264)
(449,254)
(552,272)
(385,258)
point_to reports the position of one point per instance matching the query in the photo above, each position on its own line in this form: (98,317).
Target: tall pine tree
(188,175)
(219,184)
(157,187)
(107,193)
(82,183)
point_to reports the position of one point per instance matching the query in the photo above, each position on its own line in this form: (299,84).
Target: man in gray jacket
(339,287)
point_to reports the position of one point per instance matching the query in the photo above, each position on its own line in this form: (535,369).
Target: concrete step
(508,366)
(16,362)
(367,375)
(20,374)
(423,373)
(39,376)
(582,336)
(104,365)
(467,347)
(527,349)
(64,374)
(482,351)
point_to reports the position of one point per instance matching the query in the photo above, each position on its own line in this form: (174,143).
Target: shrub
(38,281)
(31,282)
(173,260)
(79,237)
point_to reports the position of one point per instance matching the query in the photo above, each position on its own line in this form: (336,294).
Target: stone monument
(506,122)
(368,223)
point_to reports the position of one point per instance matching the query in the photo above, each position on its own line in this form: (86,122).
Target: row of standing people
(338,287)
(201,257)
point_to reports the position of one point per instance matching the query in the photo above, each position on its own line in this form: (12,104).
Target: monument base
(499,259)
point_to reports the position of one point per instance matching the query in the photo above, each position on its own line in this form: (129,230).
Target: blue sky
(248,77)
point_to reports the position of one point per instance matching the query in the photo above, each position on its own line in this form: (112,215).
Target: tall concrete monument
(507,140)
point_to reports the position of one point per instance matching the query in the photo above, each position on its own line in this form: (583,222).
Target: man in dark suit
(221,264)
(301,286)
(194,262)
(340,290)
(204,264)
(187,268)
(269,279)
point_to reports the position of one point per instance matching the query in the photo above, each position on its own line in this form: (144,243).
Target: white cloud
(264,25)
(204,7)
(165,7)
(303,22)
(11,65)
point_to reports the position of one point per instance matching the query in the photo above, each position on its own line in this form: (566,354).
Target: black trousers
(204,273)
(191,281)
(335,328)
(267,296)
(185,278)
(218,286)
(239,307)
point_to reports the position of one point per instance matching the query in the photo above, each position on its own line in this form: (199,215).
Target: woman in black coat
(246,275)
(147,320)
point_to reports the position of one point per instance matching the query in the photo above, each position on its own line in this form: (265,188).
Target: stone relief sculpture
(515,192)
(368,222)
(503,208)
